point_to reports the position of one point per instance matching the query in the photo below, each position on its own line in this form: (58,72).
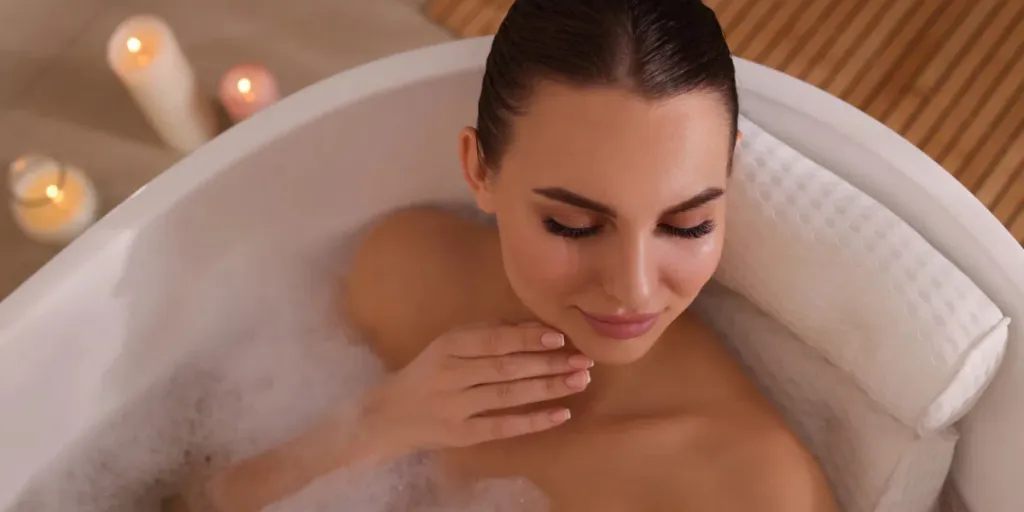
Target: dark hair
(655,48)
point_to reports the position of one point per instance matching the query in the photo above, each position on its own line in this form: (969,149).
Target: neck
(613,392)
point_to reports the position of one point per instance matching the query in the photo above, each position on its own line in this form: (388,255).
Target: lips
(621,327)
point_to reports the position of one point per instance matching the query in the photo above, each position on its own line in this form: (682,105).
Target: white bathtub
(81,337)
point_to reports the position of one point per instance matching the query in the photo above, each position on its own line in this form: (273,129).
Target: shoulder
(738,452)
(420,244)
(747,463)
(778,473)
(406,277)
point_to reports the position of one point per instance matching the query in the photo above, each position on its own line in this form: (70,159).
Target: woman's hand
(465,387)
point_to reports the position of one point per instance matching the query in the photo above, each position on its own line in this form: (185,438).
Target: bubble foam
(272,359)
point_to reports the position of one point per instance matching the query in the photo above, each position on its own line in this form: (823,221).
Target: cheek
(538,264)
(689,271)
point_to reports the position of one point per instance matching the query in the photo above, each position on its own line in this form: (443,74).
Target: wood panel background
(946,74)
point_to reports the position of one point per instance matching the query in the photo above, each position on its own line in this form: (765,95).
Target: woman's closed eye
(558,229)
(703,229)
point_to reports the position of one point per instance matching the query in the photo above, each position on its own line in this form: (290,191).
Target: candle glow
(246,89)
(139,52)
(244,85)
(54,193)
(52,203)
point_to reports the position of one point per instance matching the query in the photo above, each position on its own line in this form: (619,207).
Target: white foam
(273,359)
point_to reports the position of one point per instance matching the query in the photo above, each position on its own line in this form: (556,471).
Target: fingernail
(560,416)
(552,340)
(578,380)
(580,361)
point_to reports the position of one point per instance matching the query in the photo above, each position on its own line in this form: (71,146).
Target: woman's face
(610,209)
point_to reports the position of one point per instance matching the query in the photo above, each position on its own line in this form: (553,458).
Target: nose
(631,274)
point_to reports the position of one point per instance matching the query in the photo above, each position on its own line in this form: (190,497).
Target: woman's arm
(383,283)
(254,483)
(443,399)
(399,293)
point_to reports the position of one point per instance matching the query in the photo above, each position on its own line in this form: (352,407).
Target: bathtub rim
(923,194)
(400,70)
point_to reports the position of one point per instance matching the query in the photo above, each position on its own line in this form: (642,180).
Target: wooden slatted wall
(947,74)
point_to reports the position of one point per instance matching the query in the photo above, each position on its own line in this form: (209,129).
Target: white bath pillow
(858,284)
(874,462)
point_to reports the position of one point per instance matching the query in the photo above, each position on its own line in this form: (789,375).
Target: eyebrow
(573,199)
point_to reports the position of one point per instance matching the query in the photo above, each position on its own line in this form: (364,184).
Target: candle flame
(54,193)
(133,44)
(244,85)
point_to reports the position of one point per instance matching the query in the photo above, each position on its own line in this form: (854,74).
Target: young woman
(556,345)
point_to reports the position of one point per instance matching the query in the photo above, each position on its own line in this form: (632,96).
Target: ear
(476,175)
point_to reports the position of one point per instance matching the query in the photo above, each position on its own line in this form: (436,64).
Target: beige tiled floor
(57,96)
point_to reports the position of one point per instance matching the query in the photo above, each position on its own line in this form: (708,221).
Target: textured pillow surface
(870,342)
(874,462)
(858,284)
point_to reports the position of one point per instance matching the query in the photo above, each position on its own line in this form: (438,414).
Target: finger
(505,395)
(503,340)
(491,428)
(489,370)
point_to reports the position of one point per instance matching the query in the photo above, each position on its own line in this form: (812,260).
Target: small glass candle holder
(52,203)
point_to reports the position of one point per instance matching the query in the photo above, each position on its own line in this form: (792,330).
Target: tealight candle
(52,203)
(246,89)
(18,167)
(145,56)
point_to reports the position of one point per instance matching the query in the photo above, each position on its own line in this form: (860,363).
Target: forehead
(608,142)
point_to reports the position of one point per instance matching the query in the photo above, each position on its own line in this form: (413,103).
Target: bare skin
(680,429)
(610,208)
(609,205)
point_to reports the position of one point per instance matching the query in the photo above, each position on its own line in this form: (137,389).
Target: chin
(614,343)
(612,351)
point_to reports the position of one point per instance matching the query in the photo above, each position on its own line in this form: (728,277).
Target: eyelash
(700,230)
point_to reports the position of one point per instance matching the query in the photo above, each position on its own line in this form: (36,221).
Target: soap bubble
(273,359)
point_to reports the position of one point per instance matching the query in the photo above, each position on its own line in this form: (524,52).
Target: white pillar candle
(52,203)
(145,56)
(246,89)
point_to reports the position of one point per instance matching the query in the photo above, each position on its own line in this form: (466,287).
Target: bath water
(273,359)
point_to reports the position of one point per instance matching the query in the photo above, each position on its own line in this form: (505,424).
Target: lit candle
(145,56)
(52,203)
(18,167)
(246,89)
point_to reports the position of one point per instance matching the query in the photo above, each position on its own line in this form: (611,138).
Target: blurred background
(946,74)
